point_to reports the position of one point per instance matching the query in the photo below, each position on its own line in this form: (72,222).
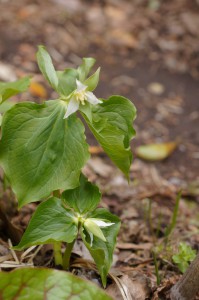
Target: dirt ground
(148,51)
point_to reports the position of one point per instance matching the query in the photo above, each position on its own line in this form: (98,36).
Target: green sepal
(46,67)
(92,81)
(102,251)
(85,68)
(9,89)
(51,222)
(83,198)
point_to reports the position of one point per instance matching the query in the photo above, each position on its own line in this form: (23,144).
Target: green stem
(67,255)
(156,268)
(57,254)
(172,225)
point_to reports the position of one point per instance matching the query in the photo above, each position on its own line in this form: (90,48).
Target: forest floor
(148,51)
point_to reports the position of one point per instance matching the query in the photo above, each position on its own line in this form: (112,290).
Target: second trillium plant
(43,149)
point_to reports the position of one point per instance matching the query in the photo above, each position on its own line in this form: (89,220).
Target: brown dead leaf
(96,150)
(135,287)
(128,246)
(38,90)
(100,167)
(122,38)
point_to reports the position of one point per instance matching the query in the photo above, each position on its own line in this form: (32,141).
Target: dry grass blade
(13,264)
(25,253)
(13,252)
(126,295)
(83,263)
(5,257)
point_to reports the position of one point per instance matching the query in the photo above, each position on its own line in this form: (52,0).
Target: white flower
(79,96)
(93,225)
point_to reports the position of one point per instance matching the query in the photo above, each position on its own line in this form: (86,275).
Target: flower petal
(90,97)
(80,86)
(101,223)
(73,106)
(92,227)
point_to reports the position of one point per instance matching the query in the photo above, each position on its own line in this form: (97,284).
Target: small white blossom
(101,223)
(93,225)
(79,96)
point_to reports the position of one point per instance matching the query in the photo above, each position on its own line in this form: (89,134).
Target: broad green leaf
(40,151)
(153,152)
(47,284)
(67,81)
(46,67)
(112,127)
(50,223)
(85,68)
(4,107)
(102,252)
(10,89)
(84,198)
(92,81)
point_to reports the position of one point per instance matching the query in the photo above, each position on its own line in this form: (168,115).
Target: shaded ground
(136,47)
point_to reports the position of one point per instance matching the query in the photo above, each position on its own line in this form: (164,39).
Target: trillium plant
(43,149)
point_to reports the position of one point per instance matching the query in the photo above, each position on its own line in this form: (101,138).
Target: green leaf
(112,126)
(67,81)
(92,81)
(102,251)
(40,151)
(4,107)
(185,255)
(46,67)
(84,198)
(50,223)
(85,68)
(47,284)
(10,89)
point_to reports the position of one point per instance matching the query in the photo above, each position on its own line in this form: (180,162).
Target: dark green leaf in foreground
(51,222)
(10,89)
(84,198)
(40,151)
(102,251)
(46,67)
(46,284)
(112,126)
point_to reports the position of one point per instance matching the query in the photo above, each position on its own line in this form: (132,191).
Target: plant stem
(67,255)
(57,254)
(174,218)
(156,269)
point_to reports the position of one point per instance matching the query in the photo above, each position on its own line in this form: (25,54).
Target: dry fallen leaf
(38,90)
(153,152)
(156,88)
(96,150)
(134,286)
